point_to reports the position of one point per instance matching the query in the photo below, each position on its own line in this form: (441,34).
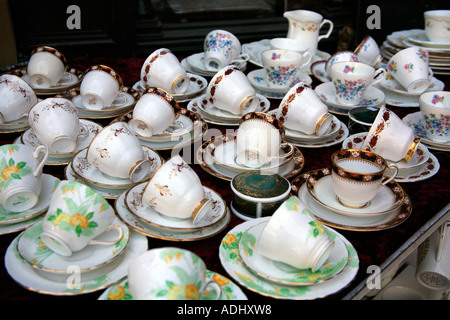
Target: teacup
(340,56)
(222,48)
(117,153)
(281,66)
(295,237)
(368,52)
(21,170)
(435,107)
(170,273)
(162,69)
(259,139)
(100,87)
(302,110)
(231,91)
(437,25)
(410,67)
(154,112)
(175,190)
(351,80)
(288,44)
(56,124)
(357,175)
(390,137)
(76,216)
(46,67)
(16,98)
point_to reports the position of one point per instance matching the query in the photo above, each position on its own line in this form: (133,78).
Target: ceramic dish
(338,137)
(389,83)
(417,123)
(398,100)
(257,79)
(319,72)
(18,125)
(19,226)
(196,64)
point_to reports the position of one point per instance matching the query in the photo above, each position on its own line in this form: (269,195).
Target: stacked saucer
(18,125)
(195,63)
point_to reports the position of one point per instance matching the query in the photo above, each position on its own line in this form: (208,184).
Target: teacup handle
(377,73)
(120,95)
(36,154)
(430,73)
(395,168)
(326,21)
(244,57)
(84,131)
(176,130)
(120,236)
(217,288)
(289,153)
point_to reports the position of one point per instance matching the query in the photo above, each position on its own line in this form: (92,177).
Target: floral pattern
(10,169)
(221,42)
(438,124)
(349,90)
(282,75)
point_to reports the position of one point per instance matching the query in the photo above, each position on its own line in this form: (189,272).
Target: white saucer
(389,83)
(420,38)
(257,79)
(70,79)
(319,71)
(281,273)
(18,125)
(331,140)
(120,105)
(196,62)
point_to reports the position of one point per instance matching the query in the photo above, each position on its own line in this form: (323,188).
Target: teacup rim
(53,51)
(266,117)
(383,161)
(425,95)
(108,70)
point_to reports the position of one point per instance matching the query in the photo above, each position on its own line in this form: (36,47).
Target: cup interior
(352,69)
(277,55)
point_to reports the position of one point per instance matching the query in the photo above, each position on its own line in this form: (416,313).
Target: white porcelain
(195,63)
(175,190)
(368,52)
(117,152)
(154,112)
(390,137)
(340,56)
(294,236)
(282,66)
(76,216)
(258,80)
(297,136)
(100,86)
(305,25)
(437,25)
(302,110)
(21,172)
(351,80)
(162,69)
(288,44)
(16,98)
(410,67)
(393,86)
(46,67)
(435,107)
(222,48)
(231,91)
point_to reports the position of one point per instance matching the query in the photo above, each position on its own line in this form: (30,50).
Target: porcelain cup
(21,171)
(410,67)
(357,175)
(16,98)
(368,52)
(281,66)
(162,69)
(175,191)
(231,91)
(305,25)
(101,87)
(351,80)
(340,56)
(435,108)
(56,124)
(259,139)
(46,67)
(154,112)
(295,237)
(117,153)
(288,44)
(222,48)
(437,25)
(76,216)
(302,110)
(390,137)
(170,273)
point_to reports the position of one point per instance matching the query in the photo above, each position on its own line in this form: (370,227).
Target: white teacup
(154,112)
(390,137)
(340,56)
(368,52)
(21,172)
(16,98)
(100,87)
(281,66)
(410,67)
(295,237)
(76,216)
(175,190)
(46,67)
(351,80)
(288,44)
(435,107)
(437,25)
(259,139)
(117,153)
(357,176)
(222,48)
(230,90)
(56,124)
(170,273)
(162,69)
(302,110)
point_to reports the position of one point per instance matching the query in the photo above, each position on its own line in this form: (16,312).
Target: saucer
(417,123)
(338,137)
(18,125)
(284,274)
(257,79)
(31,250)
(236,268)
(133,201)
(389,83)
(373,97)
(196,62)
(72,77)
(420,38)
(320,186)
(48,184)
(398,100)
(19,226)
(319,71)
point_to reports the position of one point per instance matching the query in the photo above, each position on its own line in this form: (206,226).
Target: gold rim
(321,121)
(412,149)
